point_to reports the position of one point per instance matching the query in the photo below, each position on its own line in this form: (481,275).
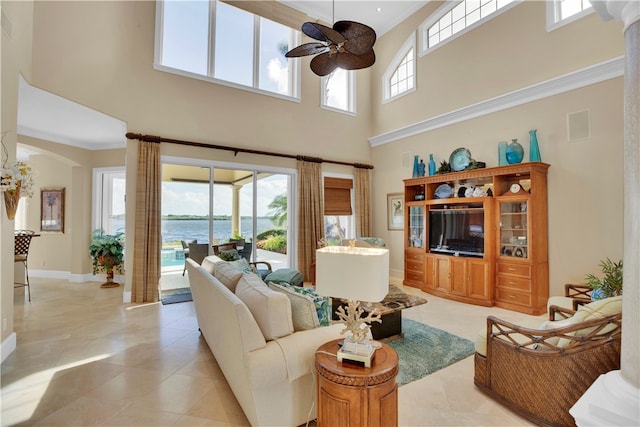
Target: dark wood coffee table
(390,310)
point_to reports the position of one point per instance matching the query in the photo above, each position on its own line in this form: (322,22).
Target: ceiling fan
(348,45)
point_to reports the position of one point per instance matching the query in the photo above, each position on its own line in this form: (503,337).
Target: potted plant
(107,253)
(611,282)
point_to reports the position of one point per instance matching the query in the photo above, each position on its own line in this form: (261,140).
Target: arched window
(400,77)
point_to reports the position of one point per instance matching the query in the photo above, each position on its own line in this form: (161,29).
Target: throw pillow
(322,304)
(285,275)
(230,255)
(303,310)
(209,264)
(270,309)
(228,275)
(241,265)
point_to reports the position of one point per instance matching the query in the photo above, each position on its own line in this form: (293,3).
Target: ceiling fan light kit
(348,45)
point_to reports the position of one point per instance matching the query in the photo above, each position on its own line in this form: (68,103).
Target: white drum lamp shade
(353,273)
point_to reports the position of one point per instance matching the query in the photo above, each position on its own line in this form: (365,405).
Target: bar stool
(21,253)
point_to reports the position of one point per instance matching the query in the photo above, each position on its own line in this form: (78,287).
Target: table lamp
(356,274)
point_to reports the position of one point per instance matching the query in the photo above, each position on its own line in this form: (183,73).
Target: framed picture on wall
(395,211)
(52,210)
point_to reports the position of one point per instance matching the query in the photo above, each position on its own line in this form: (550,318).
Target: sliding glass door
(185,213)
(215,204)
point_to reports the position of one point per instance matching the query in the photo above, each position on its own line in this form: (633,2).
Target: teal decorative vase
(534,150)
(515,152)
(432,165)
(416,167)
(502,153)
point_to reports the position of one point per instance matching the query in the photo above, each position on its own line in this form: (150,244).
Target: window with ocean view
(213,205)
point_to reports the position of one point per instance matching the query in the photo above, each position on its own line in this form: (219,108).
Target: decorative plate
(460,159)
(444,191)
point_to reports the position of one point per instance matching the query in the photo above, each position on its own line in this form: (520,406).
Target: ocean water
(189,229)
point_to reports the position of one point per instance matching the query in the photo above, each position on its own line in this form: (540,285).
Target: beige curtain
(310,214)
(147,245)
(362,185)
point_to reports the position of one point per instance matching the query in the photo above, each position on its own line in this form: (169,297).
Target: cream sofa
(249,329)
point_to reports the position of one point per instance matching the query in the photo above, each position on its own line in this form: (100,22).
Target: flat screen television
(457,231)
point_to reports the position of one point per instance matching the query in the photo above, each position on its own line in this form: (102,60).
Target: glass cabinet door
(514,229)
(416,227)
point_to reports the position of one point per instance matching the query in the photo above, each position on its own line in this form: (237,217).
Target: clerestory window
(217,42)
(338,91)
(456,17)
(562,12)
(399,79)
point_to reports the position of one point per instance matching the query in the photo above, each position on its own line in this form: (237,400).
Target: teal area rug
(424,350)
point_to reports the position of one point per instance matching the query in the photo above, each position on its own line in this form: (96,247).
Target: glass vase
(432,165)
(534,150)
(416,167)
(502,153)
(515,152)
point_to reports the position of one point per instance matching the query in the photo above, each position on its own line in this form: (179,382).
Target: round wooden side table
(352,395)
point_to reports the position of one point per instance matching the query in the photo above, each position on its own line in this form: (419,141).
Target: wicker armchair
(541,373)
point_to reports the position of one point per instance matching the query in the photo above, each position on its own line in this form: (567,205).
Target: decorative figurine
(421,167)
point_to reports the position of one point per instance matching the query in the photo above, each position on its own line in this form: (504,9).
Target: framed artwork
(52,210)
(395,211)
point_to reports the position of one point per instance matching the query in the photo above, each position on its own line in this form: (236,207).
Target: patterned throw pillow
(230,255)
(303,310)
(322,304)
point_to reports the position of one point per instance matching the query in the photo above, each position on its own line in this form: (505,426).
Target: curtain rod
(159,139)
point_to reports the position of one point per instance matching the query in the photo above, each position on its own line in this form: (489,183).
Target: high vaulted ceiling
(47,116)
(379,15)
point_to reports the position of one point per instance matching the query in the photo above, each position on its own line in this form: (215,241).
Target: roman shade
(337,196)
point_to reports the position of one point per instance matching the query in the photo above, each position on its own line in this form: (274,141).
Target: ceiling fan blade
(307,49)
(349,61)
(360,38)
(322,32)
(324,64)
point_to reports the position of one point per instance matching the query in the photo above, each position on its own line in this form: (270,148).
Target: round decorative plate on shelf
(460,159)
(444,191)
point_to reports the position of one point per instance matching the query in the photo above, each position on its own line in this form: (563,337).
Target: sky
(193,199)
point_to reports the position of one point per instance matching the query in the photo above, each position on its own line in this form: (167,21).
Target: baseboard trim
(8,346)
(586,76)
(75,278)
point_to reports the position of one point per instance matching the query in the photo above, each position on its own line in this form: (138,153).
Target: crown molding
(597,73)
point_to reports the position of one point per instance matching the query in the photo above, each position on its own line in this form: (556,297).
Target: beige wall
(113,43)
(511,52)
(16,60)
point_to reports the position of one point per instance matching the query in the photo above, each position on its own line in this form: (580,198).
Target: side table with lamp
(356,377)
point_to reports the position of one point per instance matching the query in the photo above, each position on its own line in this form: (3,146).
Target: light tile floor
(84,358)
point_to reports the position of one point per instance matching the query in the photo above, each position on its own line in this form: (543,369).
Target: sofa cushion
(303,309)
(228,275)
(271,309)
(594,310)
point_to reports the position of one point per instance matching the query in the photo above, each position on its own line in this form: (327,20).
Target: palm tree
(279,210)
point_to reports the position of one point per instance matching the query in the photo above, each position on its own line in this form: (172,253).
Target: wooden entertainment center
(489,248)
